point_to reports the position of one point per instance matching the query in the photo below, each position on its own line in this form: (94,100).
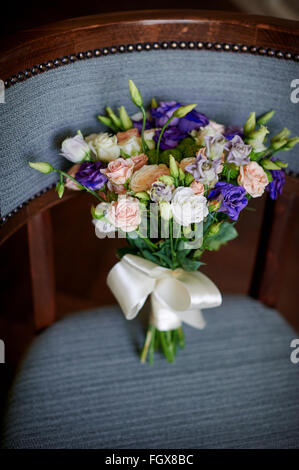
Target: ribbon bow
(176,295)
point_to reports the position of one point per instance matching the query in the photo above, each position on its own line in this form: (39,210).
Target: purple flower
(232,199)
(238,152)
(164,112)
(160,192)
(89,175)
(138,125)
(276,185)
(170,138)
(231,131)
(205,171)
(193,120)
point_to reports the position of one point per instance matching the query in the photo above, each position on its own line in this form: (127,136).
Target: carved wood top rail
(85,37)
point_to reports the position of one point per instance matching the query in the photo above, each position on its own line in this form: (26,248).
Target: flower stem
(181,337)
(147,344)
(173,253)
(147,241)
(144,145)
(66,175)
(160,137)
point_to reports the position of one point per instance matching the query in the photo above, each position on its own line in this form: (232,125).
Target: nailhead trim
(191,45)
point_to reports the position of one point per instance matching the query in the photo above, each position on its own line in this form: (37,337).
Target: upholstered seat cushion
(233,386)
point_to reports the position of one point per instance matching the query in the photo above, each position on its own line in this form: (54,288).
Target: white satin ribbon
(176,296)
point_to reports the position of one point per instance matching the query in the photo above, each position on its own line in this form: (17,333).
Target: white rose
(75,149)
(211,130)
(104,146)
(102,227)
(131,146)
(187,207)
(149,138)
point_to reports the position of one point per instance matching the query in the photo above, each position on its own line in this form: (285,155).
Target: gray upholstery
(40,112)
(233,386)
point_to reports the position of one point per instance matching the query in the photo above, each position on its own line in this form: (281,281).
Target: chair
(80,384)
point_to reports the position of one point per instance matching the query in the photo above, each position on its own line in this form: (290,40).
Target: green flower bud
(167,179)
(256,138)
(188,179)
(281,164)
(278,144)
(181,176)
(142,195)
(165,210)
(115,119)
(283,134)
(174,171)
(135,94)
(291,143)
(250,124)
(183,110)
(43,167)
(214,205)
(214,229)
(265,117)
(107,122)
(60,189)
(269,165)
(125,119)
(97,213)
(154,103)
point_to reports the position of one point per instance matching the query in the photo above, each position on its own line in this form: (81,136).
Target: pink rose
(139,161)
(119,170)
(124,213)
(116,188)
(122,136)
(253,178)
(70,184)
(197,187)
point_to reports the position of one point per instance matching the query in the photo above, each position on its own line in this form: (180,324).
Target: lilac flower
(276,185)
(164,112)
(205,171)
(193,120)
(215,146)
(89,175)
(231,131)
(170,138)
(138,124)
(160,192)
(232,199)
(238,152)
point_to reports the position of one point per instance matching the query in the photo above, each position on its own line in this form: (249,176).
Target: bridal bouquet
(173,182)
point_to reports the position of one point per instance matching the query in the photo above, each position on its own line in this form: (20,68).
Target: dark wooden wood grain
(42,269)
(277,228)
(59,39)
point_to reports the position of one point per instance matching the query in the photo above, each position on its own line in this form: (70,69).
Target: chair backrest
(61,76)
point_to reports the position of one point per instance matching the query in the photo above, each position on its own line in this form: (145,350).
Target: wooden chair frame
(58,44)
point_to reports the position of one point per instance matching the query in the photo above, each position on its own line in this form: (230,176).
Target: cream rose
(125,213)
(187,207)
(104,146)
(253,178)
(149,138)
(143,179)
(211,130)
(129,141)
(119,170)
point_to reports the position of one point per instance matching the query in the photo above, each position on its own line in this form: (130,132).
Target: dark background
(75,243)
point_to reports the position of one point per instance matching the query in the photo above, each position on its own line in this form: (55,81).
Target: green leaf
(187,263)
(226,233)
